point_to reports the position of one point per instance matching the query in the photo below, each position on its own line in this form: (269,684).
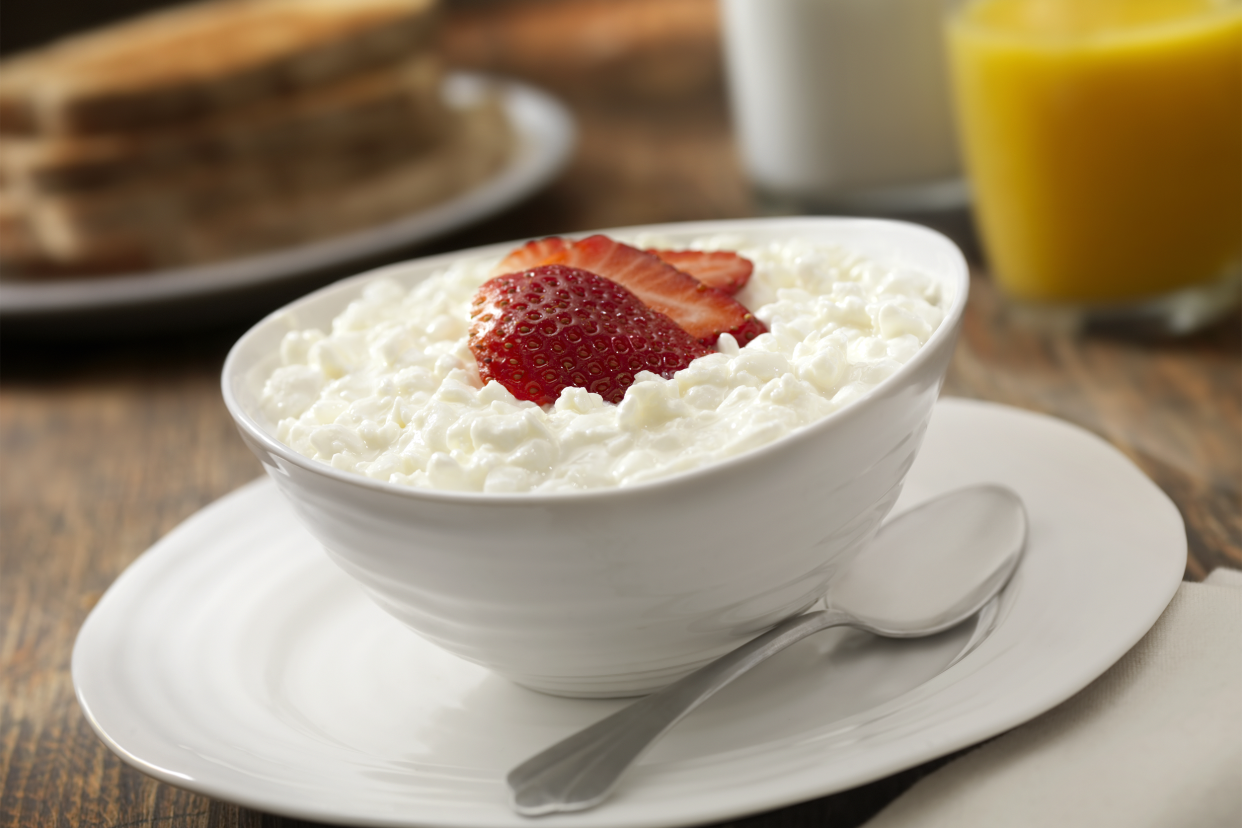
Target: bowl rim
(944,336)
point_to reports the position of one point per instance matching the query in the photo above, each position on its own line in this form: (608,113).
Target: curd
(392,391)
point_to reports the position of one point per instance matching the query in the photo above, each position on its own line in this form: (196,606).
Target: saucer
(234,659)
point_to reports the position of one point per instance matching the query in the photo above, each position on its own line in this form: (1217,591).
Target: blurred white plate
(235,660)
(545,139)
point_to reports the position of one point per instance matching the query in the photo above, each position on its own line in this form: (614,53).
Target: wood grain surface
(107,445)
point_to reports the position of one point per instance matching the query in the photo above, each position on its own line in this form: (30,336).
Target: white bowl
(619,591)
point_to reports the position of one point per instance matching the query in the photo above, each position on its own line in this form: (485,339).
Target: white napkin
(1155,741)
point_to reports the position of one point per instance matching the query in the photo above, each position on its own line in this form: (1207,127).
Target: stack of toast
(228,128)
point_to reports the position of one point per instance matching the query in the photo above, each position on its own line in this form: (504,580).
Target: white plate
(233,659)
(545,138)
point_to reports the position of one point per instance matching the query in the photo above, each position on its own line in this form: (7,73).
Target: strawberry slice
(531,254)
(721,269)
(542,330)
(704,312)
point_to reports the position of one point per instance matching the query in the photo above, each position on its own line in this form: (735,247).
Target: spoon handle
(580,771)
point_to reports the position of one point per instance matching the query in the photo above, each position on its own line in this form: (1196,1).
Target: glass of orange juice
(1103,143)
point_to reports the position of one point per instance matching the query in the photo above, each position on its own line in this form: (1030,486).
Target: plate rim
(739,802)
(546,138)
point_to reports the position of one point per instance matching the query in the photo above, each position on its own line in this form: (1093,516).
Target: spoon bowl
(927,570)
(954,552)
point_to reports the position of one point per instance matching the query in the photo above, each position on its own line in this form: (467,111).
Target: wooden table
(107,445)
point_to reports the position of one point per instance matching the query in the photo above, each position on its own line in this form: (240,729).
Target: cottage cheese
(392,391)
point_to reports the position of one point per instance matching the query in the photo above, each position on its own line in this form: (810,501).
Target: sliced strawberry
(543,330)
(531,254)
(704,312)
(721,269)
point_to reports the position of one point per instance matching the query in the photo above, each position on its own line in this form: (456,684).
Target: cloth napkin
(1155,741)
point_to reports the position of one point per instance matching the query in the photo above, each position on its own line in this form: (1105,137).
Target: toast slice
(252,208)
(23,256)
(394,109)
(190,62)
(19,243)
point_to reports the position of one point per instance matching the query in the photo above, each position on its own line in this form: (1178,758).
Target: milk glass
(843,104)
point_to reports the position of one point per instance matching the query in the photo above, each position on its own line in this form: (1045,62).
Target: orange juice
(1103,141)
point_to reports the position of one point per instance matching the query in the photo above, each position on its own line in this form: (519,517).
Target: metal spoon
(927,570)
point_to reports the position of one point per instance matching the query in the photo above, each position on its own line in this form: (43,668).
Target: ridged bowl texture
(619,591)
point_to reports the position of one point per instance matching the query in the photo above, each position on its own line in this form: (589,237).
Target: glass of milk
(843,105)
